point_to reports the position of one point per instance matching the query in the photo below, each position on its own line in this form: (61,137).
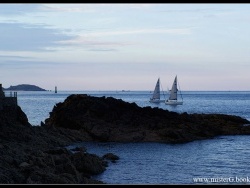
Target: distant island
(25,87)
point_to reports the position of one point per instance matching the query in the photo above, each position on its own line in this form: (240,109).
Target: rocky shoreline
(38,155)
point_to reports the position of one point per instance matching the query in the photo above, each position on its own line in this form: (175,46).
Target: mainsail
(173,92)
(172,100)
(156,94)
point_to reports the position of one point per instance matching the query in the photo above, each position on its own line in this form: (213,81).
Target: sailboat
(156,97)
(172,100)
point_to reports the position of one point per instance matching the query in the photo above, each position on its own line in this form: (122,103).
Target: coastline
(37,154)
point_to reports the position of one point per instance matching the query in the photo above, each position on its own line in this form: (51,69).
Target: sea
(220,160)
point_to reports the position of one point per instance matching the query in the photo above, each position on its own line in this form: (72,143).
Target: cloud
(29,37)
(18,9)
(85,39)
(93,7)
(31,63)
(142,31)
(26,64)
(68,7)
(103,50)
(192,10)
(14,57)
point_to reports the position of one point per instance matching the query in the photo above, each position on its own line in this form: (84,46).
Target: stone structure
(10,100)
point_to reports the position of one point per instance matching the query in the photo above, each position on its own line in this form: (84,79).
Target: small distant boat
(55,89)
(156,97)
(172,100)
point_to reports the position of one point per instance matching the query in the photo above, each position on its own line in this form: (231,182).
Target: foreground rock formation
(36,154)
(108,119)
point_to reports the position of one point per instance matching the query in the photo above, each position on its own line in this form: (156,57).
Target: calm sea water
(38,104)
(225,157)
(222,160)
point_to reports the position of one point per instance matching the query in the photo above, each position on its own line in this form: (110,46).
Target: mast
(180,91)
(163,92)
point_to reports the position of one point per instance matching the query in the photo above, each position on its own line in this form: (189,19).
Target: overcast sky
(125,46)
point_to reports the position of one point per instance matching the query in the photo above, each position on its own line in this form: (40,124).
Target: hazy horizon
(123,90)
(125,46)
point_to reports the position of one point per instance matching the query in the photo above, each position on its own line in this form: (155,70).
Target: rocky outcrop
(37,155)
(109,119)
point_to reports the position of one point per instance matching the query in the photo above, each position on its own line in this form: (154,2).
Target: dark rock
(37,154)
(110,156)
(107,119)
(88,163)
(57,151)
(79,149)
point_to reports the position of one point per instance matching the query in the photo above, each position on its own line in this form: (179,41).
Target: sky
(125,46)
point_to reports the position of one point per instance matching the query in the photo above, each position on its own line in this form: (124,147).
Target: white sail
(172,100)
(156,94)
(173,92)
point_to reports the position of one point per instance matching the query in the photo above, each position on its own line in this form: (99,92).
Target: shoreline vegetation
(38,154)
